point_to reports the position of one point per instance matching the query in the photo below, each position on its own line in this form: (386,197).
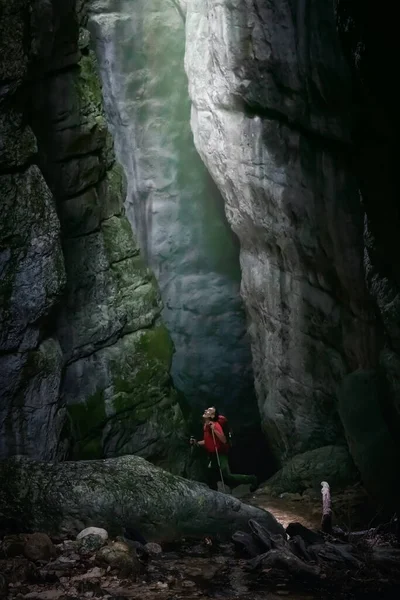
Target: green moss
(156,344)
(89,81)
(118,239)
(142,377)
(117,182)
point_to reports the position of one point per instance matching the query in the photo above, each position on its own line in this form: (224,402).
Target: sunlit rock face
(271,94)
(173,205)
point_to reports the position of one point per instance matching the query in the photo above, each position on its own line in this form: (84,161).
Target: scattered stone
(39,546)
(94,573)
(45,595)
(93,531)
(188,584)
(22,570)
(124,561)
(121,546)
(153,549)
(90,544)
(167,507)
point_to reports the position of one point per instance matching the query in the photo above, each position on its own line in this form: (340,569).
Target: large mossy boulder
(64,498)
(372,432)
(307,470)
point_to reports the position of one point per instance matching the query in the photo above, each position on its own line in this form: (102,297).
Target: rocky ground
(35,567)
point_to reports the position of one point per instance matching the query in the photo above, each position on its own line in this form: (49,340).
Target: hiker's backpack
(223,421)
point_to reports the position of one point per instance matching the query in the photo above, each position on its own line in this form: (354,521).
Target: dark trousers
(232,480)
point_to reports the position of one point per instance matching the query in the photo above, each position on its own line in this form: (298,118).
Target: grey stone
(90,544)
(31,415)
(270,120)
(62,498)
(102,533)
(118,557)
(153,549)
(31,260)
(17,142)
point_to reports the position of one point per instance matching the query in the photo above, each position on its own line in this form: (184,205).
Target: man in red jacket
(217,447)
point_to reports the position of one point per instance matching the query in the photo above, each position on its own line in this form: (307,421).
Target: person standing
(216,445)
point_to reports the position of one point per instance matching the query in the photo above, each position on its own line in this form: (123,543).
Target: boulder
(90,544)
(63,498)
(39,546)
(307,470)
(372,434)
(119,558)
(102,533)
(153,549)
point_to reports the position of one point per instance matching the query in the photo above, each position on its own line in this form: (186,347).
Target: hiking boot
(254,484)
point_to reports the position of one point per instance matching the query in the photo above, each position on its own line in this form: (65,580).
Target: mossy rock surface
(126,403)
(64,498)
(329,463)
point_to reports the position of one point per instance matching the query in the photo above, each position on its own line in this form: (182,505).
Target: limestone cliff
(84,355)
(272,115)
(175,209)
(270,92)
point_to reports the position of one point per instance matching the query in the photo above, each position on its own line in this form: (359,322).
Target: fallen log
(386,559)
(309,536)
(245,543)
(126,492)
(299,548)
(284,560)
(341,556)
(265,538)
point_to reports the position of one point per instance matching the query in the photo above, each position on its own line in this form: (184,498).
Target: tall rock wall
(270,91)
(293,114)
(175,209)
(85,355)
(370,402)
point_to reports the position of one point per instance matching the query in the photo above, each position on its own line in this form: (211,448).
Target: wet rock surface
(126,492)
(84,357)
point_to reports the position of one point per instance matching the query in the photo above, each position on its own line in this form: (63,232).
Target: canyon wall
(293,116)
(175,209)
(270,101)
(273,118)
(85,358)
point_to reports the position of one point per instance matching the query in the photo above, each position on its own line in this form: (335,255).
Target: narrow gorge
(199,208)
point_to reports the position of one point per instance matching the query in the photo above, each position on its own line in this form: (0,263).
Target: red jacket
(211,442)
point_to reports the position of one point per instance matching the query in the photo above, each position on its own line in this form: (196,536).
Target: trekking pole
(219,464)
